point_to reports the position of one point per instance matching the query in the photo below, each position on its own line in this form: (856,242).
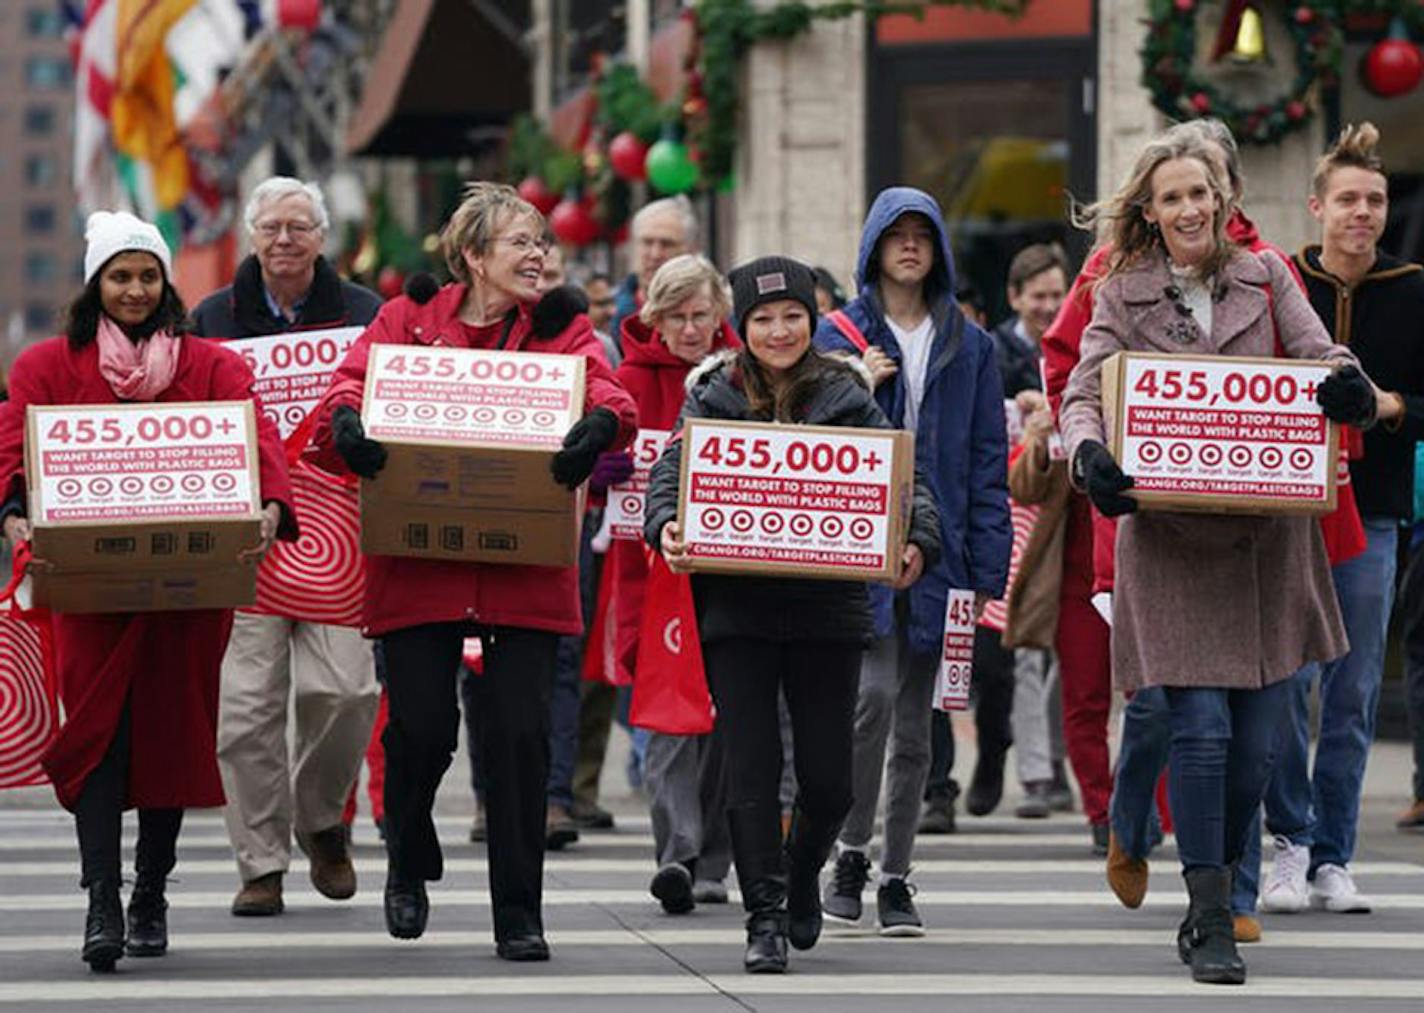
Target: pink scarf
(136,371)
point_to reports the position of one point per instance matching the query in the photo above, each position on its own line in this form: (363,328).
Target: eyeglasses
(678,321)
(525,245)
(297,230)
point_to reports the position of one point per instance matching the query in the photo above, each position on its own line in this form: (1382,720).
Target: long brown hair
(782,399)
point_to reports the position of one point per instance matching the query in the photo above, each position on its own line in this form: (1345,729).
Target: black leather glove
(556,310)
(1097,472)
(365,457)
(589,437)
(1347,395)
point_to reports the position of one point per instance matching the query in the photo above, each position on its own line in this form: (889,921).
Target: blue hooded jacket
(960,447)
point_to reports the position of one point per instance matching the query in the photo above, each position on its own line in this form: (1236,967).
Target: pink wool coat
(1210,600)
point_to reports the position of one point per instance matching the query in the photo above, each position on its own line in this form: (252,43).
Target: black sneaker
(937,817)
(898,916)
(842,900)
(672,886)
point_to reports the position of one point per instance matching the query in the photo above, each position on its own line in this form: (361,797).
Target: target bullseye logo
(1179,453)
(484,416)
(161,484)
(456,413)
(1301,459)
(1150,452)
(192,483)
(515,416)
(713,519)
(69,487)
(130,485)
(224,482)
(396,410)
(801,525)
(542,419)
(1239,456)
(101,486)
(772,522)
(426,412)
(1211,455)
(742,521)
(633,505)
(861,528)
(293,414)
(1271,457)
(832,526)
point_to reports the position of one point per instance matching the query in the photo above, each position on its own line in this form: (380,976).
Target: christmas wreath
(1169,73)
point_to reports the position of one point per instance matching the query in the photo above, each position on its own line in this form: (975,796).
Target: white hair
(680,206)
(275,188)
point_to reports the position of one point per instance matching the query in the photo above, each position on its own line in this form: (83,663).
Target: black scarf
(324,306)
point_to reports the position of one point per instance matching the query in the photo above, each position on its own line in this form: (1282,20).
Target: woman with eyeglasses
(422,610)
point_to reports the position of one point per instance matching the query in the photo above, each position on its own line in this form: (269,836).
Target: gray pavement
(1018,914)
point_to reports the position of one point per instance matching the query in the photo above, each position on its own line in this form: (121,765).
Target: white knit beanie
(112,232)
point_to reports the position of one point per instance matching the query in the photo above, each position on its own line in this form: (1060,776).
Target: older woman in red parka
(140,689)
(422,610)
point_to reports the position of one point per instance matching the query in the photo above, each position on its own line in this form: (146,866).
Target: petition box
(293,370)
(470,436)
(793,500)
(1221,434)
(143,507)
(627,500)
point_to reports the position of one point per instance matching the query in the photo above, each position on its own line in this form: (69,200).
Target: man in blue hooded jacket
(938,377)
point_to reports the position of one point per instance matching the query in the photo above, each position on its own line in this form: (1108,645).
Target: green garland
(1317,28)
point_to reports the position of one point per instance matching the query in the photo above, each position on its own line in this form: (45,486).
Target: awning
(448,77)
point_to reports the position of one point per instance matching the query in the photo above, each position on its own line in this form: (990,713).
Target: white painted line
(806,982)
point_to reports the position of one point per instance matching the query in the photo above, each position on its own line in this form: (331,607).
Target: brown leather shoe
(1127,876)
(1412,818)
(1246,928)
(332,873)
(560,830)
(260,897)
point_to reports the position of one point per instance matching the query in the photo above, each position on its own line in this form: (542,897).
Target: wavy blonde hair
(1120,222)
(486,208)
(678,280)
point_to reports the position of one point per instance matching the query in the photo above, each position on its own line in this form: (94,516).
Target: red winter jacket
(1343,533)
(402,591)
(655,377)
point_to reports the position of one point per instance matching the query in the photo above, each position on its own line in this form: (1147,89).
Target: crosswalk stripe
(835,936)
(1176,899)
(970,984)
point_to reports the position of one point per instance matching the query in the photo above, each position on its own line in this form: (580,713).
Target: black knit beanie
(768,279)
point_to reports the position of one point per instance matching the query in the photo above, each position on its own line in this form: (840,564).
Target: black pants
(993,687)
(98,820)
(1411,612)
(511,713)
(820,682)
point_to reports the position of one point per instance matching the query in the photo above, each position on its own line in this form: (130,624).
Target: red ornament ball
(1185,6)
(390,282)
(1201,103)
(1392,67)
(572,222)
(1304,15)
(628,156)
(1295,110)
(536,192)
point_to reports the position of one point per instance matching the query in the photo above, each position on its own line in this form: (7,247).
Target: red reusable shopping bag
(670,687)
(29,698)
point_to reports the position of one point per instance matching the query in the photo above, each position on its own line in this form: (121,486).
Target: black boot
(103,926)
(808,845)
(765,900)
(1206,940)
(148,919)
(407,906)
(154,859)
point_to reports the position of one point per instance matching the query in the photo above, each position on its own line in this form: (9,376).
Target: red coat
(1344,534)
(165,663)
(403,592)
(655,377)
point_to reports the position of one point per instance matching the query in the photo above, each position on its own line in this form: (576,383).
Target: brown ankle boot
(1126,875)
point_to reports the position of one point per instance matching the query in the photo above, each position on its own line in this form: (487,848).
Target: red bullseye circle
(484,416)
(742,521)
(130,485)
(633,505)
(832,526)
(70,487)
(515,417)
(1239,456)
(1301,459)
(1179,453)
(395,410)
(1211,455)
(801,525)
(224,482)
(293,415)
(1271,457)
(861,529)
(29,715)
(713,519)
(1150,452)
(425,412)
(542,419)
(192,483)
(320,577)
(456,412)
(772,522)
(161,484)
(101,486)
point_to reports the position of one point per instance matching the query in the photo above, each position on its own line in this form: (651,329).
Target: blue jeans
(1146,740)
(1349,697)
(1223,746)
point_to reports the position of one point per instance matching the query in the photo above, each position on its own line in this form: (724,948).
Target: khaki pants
(333,673)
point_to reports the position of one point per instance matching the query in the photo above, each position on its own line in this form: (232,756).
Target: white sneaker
(1287,891)
(1335,891)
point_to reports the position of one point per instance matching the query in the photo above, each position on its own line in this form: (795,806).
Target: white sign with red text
(627,499)
(422,394)
(956,663)
(141,461)
(813,499)
(293,370)
(1221,430)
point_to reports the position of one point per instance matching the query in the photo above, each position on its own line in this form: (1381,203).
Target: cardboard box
(470,436)
(1221,434)
(626,501)
(143,507)
(796,501)
(293,370)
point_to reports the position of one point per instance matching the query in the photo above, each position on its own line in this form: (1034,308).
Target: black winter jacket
(240,310)
(781,608)
(1018,360)
(1381,319)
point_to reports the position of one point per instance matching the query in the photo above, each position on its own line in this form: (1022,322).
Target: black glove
(556,310)
(1347,395)
(589,437)
(421,287)
(1097,472)
(365,457)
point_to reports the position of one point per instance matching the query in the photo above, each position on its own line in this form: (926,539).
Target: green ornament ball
(669,167)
